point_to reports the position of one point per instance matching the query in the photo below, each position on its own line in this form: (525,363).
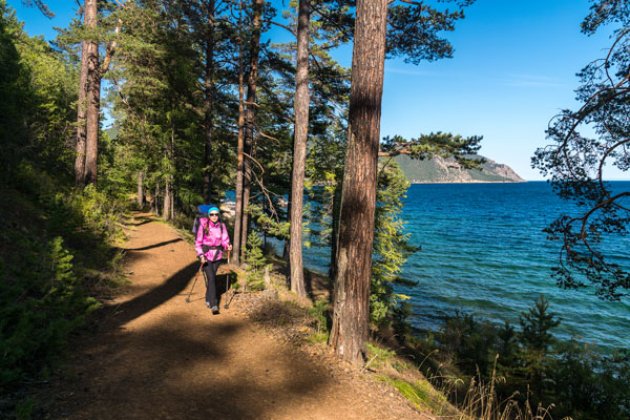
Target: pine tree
(248,117)
(255,261)
(391,248)
(536,344)
(41,5)
(36,82)
(507,348)
(92,71)
(585,143)
(413,32)
(301,103)
(358,202)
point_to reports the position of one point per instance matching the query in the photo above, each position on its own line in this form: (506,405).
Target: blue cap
(214,209)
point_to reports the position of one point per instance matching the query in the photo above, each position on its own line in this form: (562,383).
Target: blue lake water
(484,252)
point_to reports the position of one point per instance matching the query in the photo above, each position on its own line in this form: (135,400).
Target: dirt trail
(157,357)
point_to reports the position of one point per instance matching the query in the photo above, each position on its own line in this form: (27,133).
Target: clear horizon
(514,67)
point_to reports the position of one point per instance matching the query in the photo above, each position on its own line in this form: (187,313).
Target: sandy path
(157,357)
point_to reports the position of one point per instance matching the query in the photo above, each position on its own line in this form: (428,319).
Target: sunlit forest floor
(153,355)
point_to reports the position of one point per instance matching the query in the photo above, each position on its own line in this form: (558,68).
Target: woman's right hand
(203,259)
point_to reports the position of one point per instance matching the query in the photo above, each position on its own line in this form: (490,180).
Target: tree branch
(111,49)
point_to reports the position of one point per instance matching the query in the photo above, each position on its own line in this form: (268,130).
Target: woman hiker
(212,238)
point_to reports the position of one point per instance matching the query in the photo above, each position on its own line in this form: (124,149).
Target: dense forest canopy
(203,102)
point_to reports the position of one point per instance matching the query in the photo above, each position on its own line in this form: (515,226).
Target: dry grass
(481,402)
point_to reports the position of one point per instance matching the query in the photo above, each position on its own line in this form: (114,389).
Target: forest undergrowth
(58,260)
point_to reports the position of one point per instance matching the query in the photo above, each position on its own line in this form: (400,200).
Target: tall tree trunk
(93,97)
(250,116)
(286,250)
(358,197)
(172,213)
(168,196)
(240,177)
(140,196)
(156,199)
(240,149)
(167,213)
(245,216)
(332,272)
(79,162)
(301,103)
(209,103)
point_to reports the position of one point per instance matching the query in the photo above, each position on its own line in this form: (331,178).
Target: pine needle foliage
(256,262)
(53,238)
(391,247)
(523,372)
(55,251)
(584,144)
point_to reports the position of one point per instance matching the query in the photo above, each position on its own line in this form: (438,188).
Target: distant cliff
(440,170)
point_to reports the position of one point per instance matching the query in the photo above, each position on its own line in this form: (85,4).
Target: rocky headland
(440,170)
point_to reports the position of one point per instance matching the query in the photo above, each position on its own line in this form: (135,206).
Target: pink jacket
(211,234)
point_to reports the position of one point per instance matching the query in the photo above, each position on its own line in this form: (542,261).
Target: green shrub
(52,235)
(533,369)
(319,312)
(42,302)
(53,243)
(256,262)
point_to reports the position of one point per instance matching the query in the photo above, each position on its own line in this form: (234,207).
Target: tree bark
(79,163)
(245,216)
(209,102)
(140,195)
(93,97)
(301,104)
(250,116)
(156,199)
(167,213)
(240,149)
(335,226)
(286,250)
(168,196)
(172,214)
(358,197)
(240,168)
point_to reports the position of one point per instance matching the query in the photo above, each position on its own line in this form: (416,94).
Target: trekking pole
(194,282)
(227,286)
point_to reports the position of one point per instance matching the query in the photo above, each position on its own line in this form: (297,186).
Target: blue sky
(513,69)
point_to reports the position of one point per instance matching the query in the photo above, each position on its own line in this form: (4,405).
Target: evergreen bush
(256,262)
(532,368)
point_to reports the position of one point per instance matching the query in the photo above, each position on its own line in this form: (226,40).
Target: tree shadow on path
(161,358)
(142,220)
(140,305)
(144,248)
(219,370)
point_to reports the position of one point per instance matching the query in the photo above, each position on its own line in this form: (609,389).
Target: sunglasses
(214,214)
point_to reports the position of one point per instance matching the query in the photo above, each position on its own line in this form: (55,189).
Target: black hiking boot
(215,310)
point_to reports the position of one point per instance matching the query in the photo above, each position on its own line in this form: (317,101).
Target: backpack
(202,211)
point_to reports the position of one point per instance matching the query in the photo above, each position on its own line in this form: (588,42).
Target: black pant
(210,268)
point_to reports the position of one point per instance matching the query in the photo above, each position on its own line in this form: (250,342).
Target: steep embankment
(155,356)
(440,170)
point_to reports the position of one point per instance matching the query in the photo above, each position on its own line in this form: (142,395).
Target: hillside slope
(440,170)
